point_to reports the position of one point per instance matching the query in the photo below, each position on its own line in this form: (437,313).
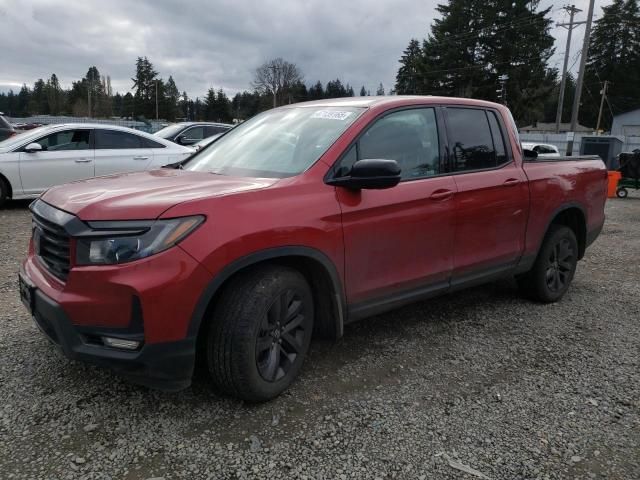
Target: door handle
(441,194)
(511,182)
(83,160)
(141,158)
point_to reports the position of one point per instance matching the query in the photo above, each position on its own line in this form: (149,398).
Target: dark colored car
(296,222)
(189,133)
(6,129)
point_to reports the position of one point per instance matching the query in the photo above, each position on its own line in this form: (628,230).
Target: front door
(400,239)
(493,195)
(66,156)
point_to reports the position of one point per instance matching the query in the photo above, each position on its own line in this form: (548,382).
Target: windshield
(170,131)
(19,139)
(277,143)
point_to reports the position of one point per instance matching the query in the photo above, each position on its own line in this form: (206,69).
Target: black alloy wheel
(282,336)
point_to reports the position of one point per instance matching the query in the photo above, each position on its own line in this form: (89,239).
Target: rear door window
(471,141)
(116,139)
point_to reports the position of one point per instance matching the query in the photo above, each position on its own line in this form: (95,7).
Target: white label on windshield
(331,115)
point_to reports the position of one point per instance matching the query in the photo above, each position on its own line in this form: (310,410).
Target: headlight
(119,242)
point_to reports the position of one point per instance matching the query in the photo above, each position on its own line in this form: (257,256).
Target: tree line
(92,95)
(476,47)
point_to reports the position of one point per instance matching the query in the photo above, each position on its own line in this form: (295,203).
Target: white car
(32,162)
(542,149)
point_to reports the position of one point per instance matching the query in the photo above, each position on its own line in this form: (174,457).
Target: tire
(555,266)
(260,333)
(622,193)
(4,191)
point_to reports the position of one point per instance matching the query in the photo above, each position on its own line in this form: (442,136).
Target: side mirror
(184,140)
(33,147)
(370,174)
(532,154)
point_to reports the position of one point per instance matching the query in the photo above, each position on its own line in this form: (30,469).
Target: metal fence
(149,126)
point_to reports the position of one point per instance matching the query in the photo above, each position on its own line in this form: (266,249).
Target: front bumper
(165,366)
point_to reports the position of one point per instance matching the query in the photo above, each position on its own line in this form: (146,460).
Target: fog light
(120,343)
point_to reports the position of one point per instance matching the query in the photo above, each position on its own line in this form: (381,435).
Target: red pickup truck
(294,223)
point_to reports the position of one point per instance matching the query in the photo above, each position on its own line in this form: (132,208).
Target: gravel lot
(510,388)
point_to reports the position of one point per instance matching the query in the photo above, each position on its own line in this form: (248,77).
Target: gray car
(189,133)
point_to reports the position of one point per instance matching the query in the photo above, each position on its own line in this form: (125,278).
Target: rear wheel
(553,271)
(622,193)
(260,333)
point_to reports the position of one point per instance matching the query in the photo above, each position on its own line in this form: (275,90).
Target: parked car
(6,129)
(298,221)
(542,149)
(46,156)
(189,133)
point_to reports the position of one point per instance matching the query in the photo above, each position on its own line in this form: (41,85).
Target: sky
(220,43)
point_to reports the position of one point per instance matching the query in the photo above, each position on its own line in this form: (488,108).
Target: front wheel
(553,271)
(4,192)
(260,333)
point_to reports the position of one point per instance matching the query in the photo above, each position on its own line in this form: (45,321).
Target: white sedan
(32,162)
(543,150)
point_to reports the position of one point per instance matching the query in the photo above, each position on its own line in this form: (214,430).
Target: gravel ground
(509,388)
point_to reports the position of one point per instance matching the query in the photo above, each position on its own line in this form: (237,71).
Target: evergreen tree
(614,55)
(476,41)
(335,89)
(172,99)
(316,92)
(128,106)
(38,104)
(380,90)
(23,101)
(144,84)
(210,105)
(55,95)
(363,92)
(408,77)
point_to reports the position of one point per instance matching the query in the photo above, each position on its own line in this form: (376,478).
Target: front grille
(51,244)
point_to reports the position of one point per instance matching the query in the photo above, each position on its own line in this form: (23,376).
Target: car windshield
(4,123)
(170,131)
(277,143)
(24,137)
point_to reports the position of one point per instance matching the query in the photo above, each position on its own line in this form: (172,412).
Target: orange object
(614,176)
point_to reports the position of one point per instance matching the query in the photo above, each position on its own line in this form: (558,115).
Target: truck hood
(144,195)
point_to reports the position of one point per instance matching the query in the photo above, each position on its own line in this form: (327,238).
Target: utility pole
(274,84)
(156,100)
(569,26)
(503,88)
(583,61)
(604,95)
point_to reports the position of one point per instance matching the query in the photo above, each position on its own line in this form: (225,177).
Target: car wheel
(4,192)
(553,271)
(622,193)
(260,333)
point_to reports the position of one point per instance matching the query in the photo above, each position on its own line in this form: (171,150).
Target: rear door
(118,151)
(492,197)
(399,239)
(67,155)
